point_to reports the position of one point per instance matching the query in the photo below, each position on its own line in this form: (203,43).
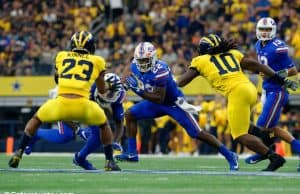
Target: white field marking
(64,154)
(197,190)
(167,172)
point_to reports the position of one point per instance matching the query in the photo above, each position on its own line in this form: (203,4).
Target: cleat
(27,150)
(298,168)
(83,163)
(111,165)
(129,157)
(276,161)
(233,162)
(15,159)
(254,159)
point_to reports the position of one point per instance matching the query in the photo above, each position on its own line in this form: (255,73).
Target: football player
(152,80)
(221,64)
(76,71)
(111,102)
(273,52)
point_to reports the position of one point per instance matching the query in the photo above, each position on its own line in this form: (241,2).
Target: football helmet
(83,41)
(145,56)
(265,29)
(208,42)
(115,90)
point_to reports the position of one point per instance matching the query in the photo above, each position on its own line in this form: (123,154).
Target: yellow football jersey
(222,70)
(77,72)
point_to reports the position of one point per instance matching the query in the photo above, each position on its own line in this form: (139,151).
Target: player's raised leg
(107,140)
(30,129)
(189,123)
(132,115)
(131,155)
(63,134)
(93,142)
(240,101)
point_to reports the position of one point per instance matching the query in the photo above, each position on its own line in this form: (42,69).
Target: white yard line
(61,154)
(170,172)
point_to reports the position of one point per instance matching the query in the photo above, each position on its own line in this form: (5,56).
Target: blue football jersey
(116,106)
(275,55)
(159,76)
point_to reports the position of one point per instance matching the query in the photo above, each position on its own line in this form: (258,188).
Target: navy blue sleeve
(92,91)
(283,58)
(118,111)
(162,76)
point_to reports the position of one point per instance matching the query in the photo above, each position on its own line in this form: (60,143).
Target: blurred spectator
(262,8)
(169,23)
(32,31)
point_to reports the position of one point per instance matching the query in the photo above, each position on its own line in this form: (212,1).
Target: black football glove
(291,84)
(287,83)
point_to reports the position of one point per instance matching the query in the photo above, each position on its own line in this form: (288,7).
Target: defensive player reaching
(76,71)
(221,64)
(111,101)
(273,52)
(152,80)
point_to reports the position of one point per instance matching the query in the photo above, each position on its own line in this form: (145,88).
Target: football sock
(34,139)
(269,153)
(264,136)
(108,151)
(295,144)
(131,144)
(25,139)
(92,143)
(225,152)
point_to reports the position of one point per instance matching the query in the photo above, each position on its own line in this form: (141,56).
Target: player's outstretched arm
(253,65)
(133,83)
(292,71)
(187,77)
(158,96)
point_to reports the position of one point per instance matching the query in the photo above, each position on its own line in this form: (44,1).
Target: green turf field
(184,175)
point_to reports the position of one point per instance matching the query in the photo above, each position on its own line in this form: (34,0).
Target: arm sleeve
(92,91)
(161,77)
(283,57)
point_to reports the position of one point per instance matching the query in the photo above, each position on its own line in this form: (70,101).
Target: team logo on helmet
(83,41)
(265,29)
(145,56)
(208,42)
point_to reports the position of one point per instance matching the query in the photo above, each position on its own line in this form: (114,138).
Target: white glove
(53,92)
(184,105)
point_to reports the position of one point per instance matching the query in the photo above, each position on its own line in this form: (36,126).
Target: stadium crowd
(33,31)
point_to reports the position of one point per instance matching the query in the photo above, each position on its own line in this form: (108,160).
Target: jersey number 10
(225,67)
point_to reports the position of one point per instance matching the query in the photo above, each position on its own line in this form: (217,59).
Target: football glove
(133,83)
(282,73)
(112,82)
(291,84)
(287,83)
(114,86)
(117,147)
